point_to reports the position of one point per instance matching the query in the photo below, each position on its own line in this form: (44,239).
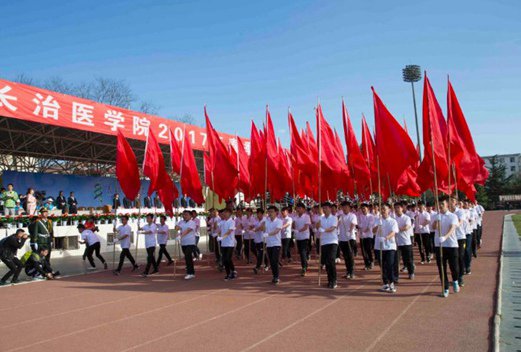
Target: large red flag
(434,135)
(190,181)
(355,160)
(175,154)
(257,162)
(395,152)
(208,170)
(224,173)
(244,172)
(127,169)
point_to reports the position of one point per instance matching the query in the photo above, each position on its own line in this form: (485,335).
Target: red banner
(24,102)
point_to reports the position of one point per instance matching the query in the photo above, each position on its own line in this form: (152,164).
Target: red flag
(175,154)
(127,169)
(208,170)
(434,135)
(167,193)
(395,151)
(257,162)
(224,174)
(190,181)
(244,172)
(154,163)
(300,148)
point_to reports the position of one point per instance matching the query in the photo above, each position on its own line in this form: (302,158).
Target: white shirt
(162,238)
(238,226)
(286,232)
(366,224)
(461,230)
(89,237)
(403,238)
(328,237)
(150,239)
(197,223)
(188,239)
(246,223)
(123,231)
(300,222)
(433,216)
(480,210)
(272,225)
(387,226)
(421,218)
(446,221)
(213,225)
(258,236)
(345,222)
(225,226)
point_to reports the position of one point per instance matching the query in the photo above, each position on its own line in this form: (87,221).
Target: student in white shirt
(328,236)
(315,218)
(162,239)
(480,211)
(403,238)
(197,222)
(273,227)
(259,228)
(467,258)
(421,233)
(239,233)
(365,225)
(432,232)
(302,228)
(124,232)
(445,224)
(461,235)
(214,245)
(247,225)
(287,224)
(186,232)
(93,245)
(228,243)
(385,231)
(474,226)
(347,230)
(150,231)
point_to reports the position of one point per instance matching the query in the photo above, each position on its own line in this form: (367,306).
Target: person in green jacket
(36,266)
(10,197)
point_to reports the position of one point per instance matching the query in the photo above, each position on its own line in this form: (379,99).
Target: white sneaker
(455,286)
(91,268)
(337,260)
(384,288)
(392,289)
(189,277)
(200,256)
(446,293)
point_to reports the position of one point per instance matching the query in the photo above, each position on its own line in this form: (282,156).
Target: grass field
(517,223)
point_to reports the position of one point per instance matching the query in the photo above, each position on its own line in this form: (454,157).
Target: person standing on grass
(228,243)
(9,246)
(92,241)
(403,238)
(163,232)
(287,223)
(386,230)
(302,226)
(123,233)
(445,224)
(273,228)
(327,228)
(186,233)
(347,235)
(150,231)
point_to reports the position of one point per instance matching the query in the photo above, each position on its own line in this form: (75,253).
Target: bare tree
(187,118)
(148,108)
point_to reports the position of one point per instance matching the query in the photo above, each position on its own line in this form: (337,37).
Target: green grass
(517,223)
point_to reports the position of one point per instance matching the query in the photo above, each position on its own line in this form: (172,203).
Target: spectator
(9,246)
(116,203)
(2,191)
(147,202)
(37,266)
(49,204)
(137,201)
(9,197)
(30,202)
(73,204)
(127,203)
(42,232)
(61,203)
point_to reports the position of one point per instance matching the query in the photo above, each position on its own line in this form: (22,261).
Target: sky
(238,56)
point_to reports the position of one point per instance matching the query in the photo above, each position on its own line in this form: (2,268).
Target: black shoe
(115,272)
(135,267)
(57,273)
(334,285)
(226,278)
(303,272)
(3,283)
(144,275)
(275,281)
(255,271)
(15,281)
(105,265)
(170,263)
(154,272)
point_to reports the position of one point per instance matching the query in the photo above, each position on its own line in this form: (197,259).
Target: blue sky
(238,56)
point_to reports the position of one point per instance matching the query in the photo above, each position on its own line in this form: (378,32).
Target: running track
(100,312)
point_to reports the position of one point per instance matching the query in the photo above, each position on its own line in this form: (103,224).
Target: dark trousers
(151,259)
(95,248)
(317,244)
(461,258)
(467,260)
(189,260)
(475,243)
(480,233)
(259,253)
(367,244)
(273,255)
(216,249)
(162,250)
(14,265)
(388,267)
(354,247)
(347,252)
(328,259)
(431,236)
(247,245)
(424,245)
(238,246)
(125,253)
(450,255)
(286,252)
(407,257)
(227,256)
(197,251)
(303,251)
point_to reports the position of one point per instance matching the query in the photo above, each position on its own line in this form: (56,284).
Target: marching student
(93,245)
(445,224)
(212,226)
(480,210)
(386,230)
(461,236)
(403,238)
(228,242)
(186,233)
(432,233)
(467,258)
(273,227)
(248,226)
(197,221)
(474,227)
(328,236)
(287,224)
(123,233)
(347,227)
(150,231)
(365,224)
(9,246)
(421,233)
(315,218)
(239,233)
(259,227)
(302,228)
(163,233)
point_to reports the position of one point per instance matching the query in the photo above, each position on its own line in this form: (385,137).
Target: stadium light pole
(413,73)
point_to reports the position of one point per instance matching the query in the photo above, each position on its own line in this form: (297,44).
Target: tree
(497,181)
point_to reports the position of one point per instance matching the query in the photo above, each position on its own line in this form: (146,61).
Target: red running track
(100,312)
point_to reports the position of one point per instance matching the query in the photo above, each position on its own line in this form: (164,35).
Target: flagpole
(380,207)
(265,184)
(319,192)
(437,202)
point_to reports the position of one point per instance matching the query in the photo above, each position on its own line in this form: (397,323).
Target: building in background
(512,163)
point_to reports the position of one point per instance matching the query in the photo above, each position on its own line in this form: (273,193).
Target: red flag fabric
(127,169)
(257,163)
(190,181)
(175,154)
(244,172)
(224,174)
(208,170)
(434,135)
(154,163)
(395,151)
(167,193)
